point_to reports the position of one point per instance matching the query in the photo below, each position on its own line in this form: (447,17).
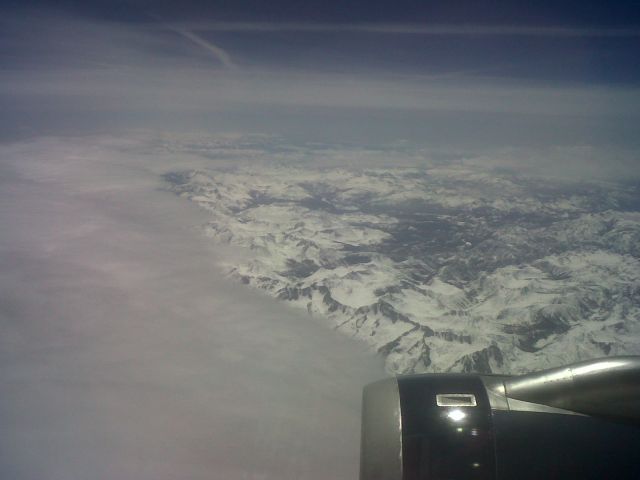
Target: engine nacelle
(575,422)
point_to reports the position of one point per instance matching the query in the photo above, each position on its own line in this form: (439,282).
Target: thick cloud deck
(125,354)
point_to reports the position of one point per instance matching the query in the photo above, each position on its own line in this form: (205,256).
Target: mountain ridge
(437,269)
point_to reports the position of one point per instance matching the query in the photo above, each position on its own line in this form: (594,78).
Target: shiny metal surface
(522,406)
(496,392)
(456,400)
(494,385)
(608,387)
(446,441)
(381,440)
(417,427)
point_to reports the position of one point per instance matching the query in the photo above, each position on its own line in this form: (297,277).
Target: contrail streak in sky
(219,53)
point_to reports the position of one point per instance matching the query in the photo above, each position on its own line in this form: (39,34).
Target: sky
(457,76)
(124,351)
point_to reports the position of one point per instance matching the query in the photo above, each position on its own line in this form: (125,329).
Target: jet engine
(581,421)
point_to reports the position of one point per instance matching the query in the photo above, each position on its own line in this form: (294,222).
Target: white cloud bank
(125,355)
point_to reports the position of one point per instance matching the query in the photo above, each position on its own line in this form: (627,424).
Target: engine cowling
(575,422)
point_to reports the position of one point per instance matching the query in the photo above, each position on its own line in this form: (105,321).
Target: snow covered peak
(438,269)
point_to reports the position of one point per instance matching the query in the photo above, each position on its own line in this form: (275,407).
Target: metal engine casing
(575,422)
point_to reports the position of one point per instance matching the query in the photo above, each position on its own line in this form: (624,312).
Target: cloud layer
(124,353)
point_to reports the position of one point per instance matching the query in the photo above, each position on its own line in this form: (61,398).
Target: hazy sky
(452,75)
(124,352)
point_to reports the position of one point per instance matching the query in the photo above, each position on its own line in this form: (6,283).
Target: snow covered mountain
(437,268)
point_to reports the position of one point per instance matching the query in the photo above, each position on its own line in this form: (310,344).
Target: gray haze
(124,352)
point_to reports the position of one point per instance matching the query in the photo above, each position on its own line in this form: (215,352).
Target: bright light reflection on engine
(456,415)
